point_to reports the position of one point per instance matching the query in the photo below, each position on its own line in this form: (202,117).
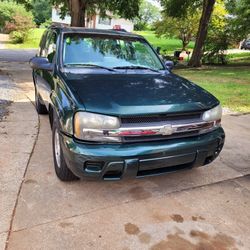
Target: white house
(96,22)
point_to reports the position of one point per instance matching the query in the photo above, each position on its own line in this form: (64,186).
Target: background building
(96,21)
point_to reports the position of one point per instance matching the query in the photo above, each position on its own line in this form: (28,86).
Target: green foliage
(183,28)
(179,8)
(240,18)
(19,27)
(41,10)
(32,39)
(46,24)
(148,14)
(124,8)
(219,37)
(8,9)
(17,37)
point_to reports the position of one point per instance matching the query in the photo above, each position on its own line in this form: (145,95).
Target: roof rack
(58,25)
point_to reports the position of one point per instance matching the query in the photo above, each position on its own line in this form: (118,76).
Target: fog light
(93,167)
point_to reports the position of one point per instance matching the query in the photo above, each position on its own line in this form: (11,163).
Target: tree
(207,10)
(184,28)
(9,10)
(41,10)
(148,14)
(179,8)
(239,17)
(220,35)
(79,9)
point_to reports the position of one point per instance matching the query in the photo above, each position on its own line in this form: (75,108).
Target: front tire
(61,168)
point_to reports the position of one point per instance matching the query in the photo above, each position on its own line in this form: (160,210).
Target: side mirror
(169,65)
(41,63)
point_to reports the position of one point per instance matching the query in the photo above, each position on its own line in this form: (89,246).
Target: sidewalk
(3,39)
(18,130)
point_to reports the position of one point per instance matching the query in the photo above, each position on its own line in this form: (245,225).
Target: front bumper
(120,161)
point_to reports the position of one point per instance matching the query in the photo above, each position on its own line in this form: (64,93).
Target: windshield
(112,52)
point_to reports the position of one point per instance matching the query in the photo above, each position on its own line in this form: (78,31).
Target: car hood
(134,94)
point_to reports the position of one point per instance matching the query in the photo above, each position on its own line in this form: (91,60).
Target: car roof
(110,32)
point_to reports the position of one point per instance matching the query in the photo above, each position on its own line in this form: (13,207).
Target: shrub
(19,27)
(17,37)
(6,12)
(46,24)
(8,9)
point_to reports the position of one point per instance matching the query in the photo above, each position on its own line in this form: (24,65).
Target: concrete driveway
(205,208)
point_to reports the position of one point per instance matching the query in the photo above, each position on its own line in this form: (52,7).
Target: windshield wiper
(136,67)
(88,65)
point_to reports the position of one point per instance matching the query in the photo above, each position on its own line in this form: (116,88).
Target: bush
(19,27)
(46,24)
(8,9)
(17,37)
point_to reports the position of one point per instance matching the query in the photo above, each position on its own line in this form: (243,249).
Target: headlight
(91,127)
(212,115)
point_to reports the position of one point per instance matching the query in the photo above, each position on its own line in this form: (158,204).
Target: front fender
(64,110)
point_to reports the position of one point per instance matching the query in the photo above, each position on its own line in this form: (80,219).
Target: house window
(58,13)
(105,20)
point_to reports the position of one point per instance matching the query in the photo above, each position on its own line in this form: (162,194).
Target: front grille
(159,137)
(160,118)
(155,120)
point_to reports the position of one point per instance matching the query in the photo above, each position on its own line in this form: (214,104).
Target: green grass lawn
(32,41)
(168,44)
(239,58)
(231,85)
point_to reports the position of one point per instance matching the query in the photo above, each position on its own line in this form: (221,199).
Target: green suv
(116,109)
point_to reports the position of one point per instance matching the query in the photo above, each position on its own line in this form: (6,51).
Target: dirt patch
(144,238)
(177,218)
(175,242)
(30,181)
(132,229)
(196,218)
(65,224)
(219,241)
(160,217)
(205,242)
(139,193)
(199,234)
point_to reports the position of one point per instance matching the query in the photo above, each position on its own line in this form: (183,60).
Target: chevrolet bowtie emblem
(167,130)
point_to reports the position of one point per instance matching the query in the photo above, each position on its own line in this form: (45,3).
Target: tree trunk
(207,11)
(77,12)
(185,43)
(185,39)
(74,12)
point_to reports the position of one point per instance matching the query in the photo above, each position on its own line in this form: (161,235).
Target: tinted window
(49,49)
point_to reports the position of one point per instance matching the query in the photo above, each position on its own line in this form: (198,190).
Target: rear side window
(42,42)
(49,48)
